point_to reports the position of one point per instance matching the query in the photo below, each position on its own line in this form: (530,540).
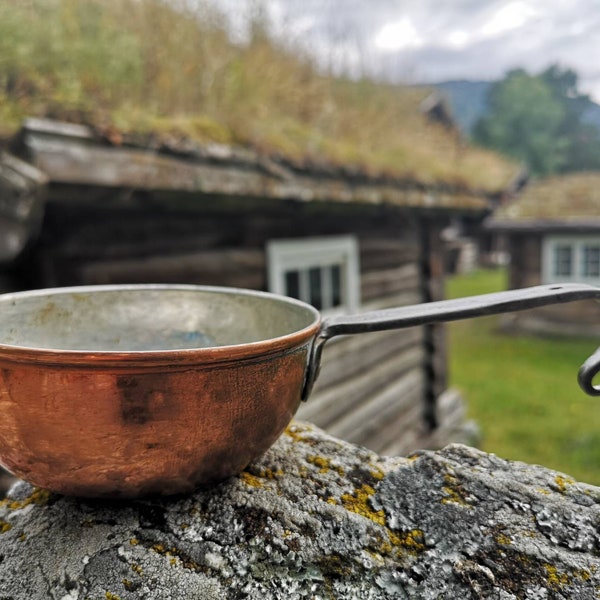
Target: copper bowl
(127,391)
(133,390)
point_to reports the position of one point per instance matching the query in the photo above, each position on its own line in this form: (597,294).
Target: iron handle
(452,310)
(588,370)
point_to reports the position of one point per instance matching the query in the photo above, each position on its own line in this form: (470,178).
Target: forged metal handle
(453,310)
(589,369)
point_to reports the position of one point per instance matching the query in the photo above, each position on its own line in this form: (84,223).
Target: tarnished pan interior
(146,318)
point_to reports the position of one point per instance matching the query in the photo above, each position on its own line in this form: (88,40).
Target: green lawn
(523,391)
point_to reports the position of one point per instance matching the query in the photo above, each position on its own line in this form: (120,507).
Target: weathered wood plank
(22,193)
(343,351)
(349,397)
(403,431)
(399,438)
(394,248)
(232,267)
(356,354)
(376,284)
(404,298)
(452,423)
(363,424)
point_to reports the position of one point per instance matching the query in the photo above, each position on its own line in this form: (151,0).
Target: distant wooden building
(552,233)
(224,216)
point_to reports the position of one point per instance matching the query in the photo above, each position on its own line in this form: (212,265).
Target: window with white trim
(569,258)
(322,271)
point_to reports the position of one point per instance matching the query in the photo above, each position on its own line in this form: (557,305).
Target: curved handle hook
(589,369)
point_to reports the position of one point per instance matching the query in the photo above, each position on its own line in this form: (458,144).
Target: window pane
(292,284)
(336,285)
(323,272)
(314,277)
(563,259)
(591,261)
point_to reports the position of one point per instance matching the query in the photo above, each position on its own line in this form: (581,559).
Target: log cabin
(551,233)
(121,211)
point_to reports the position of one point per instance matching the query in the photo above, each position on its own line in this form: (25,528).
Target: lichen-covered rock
(317,518)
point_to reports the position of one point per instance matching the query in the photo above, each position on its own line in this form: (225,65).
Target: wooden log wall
(373,388)
(572,319)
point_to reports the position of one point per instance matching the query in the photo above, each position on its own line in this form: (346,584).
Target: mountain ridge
(468,102)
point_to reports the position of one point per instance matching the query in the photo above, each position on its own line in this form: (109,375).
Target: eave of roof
(73,155)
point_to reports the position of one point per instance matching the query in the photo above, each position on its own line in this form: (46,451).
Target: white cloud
(509,17)
(458,38)
(399,35)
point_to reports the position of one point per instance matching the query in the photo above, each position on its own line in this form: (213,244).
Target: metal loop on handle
(589,369)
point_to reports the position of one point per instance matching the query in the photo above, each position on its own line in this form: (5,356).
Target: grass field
(522,390)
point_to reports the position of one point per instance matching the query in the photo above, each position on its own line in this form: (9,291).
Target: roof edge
(571,224)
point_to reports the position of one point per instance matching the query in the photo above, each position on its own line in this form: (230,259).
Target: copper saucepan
(126,391)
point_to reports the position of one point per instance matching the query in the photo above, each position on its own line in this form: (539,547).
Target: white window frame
(305,253)
(577,245)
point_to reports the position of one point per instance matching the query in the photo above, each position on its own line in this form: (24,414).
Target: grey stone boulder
(316,518)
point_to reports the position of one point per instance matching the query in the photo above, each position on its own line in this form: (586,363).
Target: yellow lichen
(554,577)
(454,494)
(251,480)
(582,574)
(137,569)
(270,474)
(503,539)
(413,541)
(38,496)
(4,526)
(377,474)
(324,464)
(295,432)
(175,557)
(562,482)
(110,596)
(258,479)
(358,503)
(134,542)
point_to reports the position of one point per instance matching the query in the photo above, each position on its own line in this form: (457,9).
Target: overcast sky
(423,41)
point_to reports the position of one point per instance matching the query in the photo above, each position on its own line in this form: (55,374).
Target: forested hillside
(541,119)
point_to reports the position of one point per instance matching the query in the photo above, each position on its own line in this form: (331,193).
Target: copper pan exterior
(122,423)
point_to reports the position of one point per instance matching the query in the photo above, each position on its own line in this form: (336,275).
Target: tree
(524,121)
(583,152)
(539,119)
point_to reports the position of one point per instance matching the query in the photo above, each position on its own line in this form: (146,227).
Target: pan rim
(161,357)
